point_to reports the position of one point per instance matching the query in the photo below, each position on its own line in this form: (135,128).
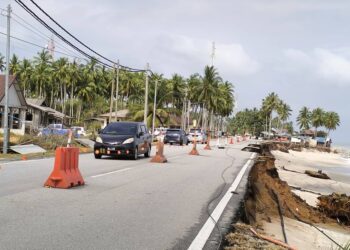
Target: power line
(79,41)
(76,39)
(36,31)
(19,2)
(39,46)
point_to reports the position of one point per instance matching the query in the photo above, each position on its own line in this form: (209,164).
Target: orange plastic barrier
(159,157)
(65,173)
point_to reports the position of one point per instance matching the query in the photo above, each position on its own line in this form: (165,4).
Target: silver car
(200,136)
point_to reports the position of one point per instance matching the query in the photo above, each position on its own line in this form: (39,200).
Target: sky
(298,49)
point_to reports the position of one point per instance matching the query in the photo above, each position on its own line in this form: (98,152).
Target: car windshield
(198,131)
(173,131)
(120,129)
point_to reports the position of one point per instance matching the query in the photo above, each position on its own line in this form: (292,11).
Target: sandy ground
(300,235)
(303,236)
(332,164)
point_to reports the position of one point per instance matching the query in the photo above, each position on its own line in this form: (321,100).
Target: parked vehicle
(54,129)
(123,138)
(176,136)
(159,133)
(78,131)
(197,133)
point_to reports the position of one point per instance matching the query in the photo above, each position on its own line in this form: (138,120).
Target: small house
(16,103)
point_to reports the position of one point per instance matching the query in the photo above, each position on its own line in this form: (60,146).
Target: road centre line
(113,172)
(203,235)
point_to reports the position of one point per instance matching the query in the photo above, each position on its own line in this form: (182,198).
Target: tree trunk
(270,125)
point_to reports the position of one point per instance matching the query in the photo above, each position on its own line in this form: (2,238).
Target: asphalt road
(125,204)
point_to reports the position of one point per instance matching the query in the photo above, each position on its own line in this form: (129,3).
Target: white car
(79,131)
(200,136)
(159,133)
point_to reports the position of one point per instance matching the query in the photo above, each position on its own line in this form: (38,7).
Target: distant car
(200,136)
(54,129)
(159,133)
(78,131)
(123,138)
(177,136)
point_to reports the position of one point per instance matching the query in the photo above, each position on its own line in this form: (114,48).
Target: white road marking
(203,235)
(113,172)
(23,161)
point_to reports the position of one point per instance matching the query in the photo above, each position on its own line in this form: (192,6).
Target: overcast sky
(298,49)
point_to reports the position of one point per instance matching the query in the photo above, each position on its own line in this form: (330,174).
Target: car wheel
(181,143)
(97,156)
(148,153)
(171,143)
(136,154)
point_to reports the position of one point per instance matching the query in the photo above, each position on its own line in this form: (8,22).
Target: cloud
(331,66)
(230,58)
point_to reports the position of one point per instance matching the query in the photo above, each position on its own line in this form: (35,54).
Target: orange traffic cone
(207,147)
(231,140)
(159,157)
(194,149)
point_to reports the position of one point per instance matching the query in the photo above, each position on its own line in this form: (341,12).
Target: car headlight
(130,140)
(99,139)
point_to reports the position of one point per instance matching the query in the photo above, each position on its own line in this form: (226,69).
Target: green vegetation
(275,113)
(83,90)
(254,121)
(318,118)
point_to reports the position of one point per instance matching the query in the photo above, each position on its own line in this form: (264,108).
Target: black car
(176,136)
(123,138)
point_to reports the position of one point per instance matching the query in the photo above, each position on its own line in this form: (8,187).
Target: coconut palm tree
(42,72)
(317,118)
(207,91)
(61,73)
(331,121)
(26,71)
(270,104)
(74,76)
(284,111)
(304,118)
(14,65)
(2,63)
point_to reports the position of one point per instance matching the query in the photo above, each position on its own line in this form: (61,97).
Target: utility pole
(112,90)
(117,93)
(213,53)
(6,106)
(146,96)
(154,107)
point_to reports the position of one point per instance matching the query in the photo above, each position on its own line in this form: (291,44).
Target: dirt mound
(261,202)
(281,146)
(336,206)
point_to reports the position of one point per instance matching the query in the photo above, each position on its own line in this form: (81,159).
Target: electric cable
(36,31)
(19,2)
(318,229)
(219,195)
(281,216)
(39,46)
(53,20)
